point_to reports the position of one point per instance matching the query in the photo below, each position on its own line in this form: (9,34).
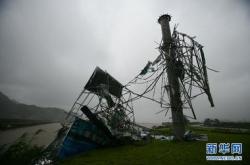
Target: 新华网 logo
(224,151)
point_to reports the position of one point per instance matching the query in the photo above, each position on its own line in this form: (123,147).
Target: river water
(40,135)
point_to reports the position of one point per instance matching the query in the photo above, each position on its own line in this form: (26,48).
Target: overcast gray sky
(49,48)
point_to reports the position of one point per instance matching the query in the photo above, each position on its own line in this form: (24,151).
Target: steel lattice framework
(152,84)
(116,112)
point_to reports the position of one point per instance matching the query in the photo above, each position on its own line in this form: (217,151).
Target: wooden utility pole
(173,86)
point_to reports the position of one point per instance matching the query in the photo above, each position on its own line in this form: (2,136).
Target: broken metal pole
(92,117)
(175,97)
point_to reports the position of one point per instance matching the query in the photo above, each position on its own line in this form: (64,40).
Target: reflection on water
(41,135)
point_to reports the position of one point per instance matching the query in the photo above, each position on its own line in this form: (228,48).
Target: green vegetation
(218,123)
(20,153)
(154,152)
(162,152)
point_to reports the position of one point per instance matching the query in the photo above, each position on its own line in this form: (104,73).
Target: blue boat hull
(82,137)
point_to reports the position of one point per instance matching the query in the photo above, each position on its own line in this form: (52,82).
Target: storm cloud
(49,49)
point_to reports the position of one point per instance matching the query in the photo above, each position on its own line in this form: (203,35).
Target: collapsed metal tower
(173,79)
(103,96)
(186,68)
(103,112)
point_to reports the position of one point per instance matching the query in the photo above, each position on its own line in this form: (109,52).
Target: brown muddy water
(40,135)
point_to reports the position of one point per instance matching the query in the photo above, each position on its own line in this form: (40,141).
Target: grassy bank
(19,153)
(161,152)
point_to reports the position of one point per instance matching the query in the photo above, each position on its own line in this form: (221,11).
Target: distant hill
(13,111)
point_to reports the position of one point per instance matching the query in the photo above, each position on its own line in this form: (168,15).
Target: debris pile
(100,116)
(103,113)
